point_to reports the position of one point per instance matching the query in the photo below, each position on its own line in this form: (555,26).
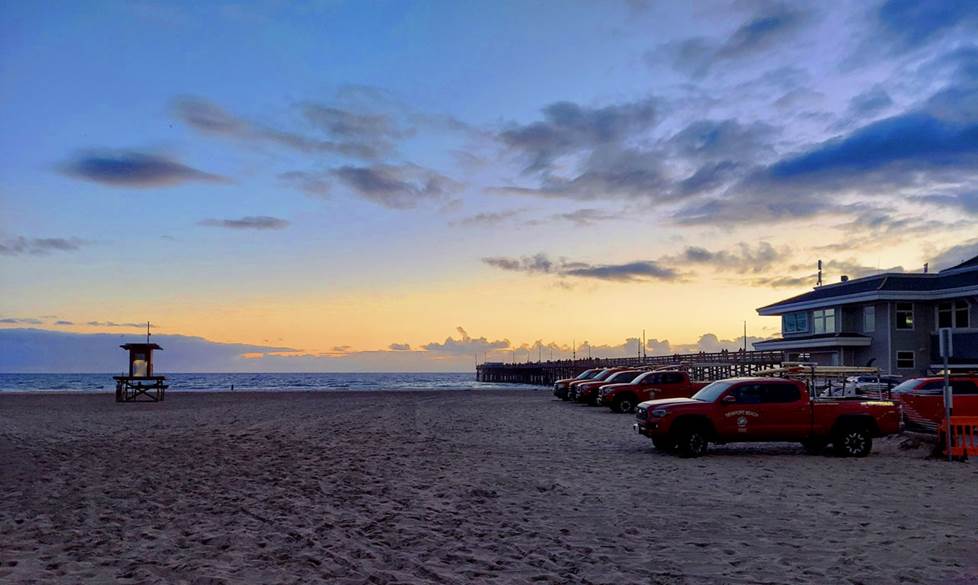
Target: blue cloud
(128,168)
(870,102)
(917,139)
(913,23)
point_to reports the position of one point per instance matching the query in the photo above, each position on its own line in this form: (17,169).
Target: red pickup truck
(604,374)
(766,409)
(923,400)
(561,386)
(587,392)
(648,386)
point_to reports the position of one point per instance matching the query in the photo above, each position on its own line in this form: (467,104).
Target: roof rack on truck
(832,381)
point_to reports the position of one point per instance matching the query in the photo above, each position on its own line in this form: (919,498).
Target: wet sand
(450,487)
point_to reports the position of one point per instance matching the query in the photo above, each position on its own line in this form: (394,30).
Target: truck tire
(853,441)
(623,403)
(814,446)
(663,444)
(691,441)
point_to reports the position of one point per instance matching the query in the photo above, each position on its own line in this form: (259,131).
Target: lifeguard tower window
(140,367)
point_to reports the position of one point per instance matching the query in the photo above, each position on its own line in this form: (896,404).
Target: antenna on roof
(926,267)
(147,332)
(819,282)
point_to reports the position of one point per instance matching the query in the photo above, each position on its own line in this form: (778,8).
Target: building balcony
(816,341)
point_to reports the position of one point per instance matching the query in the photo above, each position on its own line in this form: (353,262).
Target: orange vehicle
(923,400)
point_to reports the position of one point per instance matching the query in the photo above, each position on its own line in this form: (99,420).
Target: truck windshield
(644,377)
(621,377)
(604,374)
(907,386)
(711,392)
(586,374)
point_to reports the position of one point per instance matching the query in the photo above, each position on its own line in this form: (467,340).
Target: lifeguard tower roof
(139,346)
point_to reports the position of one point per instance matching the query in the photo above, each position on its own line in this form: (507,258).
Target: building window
(869,319)
(904,315)
(823,321)
(905,360)
(953,314)
(794,322)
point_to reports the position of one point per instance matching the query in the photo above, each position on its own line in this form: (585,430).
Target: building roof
(955,281)
(140,346)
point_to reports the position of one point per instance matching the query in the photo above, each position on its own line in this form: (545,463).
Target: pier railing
(701,366)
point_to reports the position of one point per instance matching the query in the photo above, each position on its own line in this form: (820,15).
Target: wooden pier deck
(701,366)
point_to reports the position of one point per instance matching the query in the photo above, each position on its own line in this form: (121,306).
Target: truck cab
(561,386)
(587,392)
(604,374)
(647,386)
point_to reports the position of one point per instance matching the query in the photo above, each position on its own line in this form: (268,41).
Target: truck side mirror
(729,399)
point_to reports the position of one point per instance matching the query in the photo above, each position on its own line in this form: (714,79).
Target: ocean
(256,382)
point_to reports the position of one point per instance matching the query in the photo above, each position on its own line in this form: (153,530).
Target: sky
(418,186)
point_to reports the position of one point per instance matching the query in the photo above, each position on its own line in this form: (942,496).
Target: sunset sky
(416,185)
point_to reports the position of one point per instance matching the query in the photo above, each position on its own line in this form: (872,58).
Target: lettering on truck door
(739,418)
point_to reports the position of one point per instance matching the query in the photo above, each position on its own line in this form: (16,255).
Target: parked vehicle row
(684,415)
(621,389)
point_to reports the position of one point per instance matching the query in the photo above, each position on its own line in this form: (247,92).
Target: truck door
(672,385)
(767,411)
(740,419)
(785,415)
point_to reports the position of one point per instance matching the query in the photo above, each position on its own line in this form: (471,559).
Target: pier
(701,366)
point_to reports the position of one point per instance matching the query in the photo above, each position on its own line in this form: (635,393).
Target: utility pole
(574,350)
(645,349)
(745,336)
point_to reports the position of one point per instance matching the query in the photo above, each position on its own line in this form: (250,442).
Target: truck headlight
(659,412)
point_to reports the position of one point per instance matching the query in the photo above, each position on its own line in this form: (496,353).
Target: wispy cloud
(209,118)
(638,271)
(568,128)
(760,33)
(39,246)
(489,218)
(396,186)
(21,321)
(251,222)
(312,183)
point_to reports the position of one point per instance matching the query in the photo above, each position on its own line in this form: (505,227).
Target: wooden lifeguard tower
(140,381)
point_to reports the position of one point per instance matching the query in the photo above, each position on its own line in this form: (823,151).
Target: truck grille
(641,413)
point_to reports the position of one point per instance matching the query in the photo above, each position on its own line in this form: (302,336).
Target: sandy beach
(450,487)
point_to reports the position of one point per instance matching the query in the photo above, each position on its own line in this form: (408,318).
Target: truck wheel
(814,446)
(853,441)
(691,442)
(623,404)
(663,444)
